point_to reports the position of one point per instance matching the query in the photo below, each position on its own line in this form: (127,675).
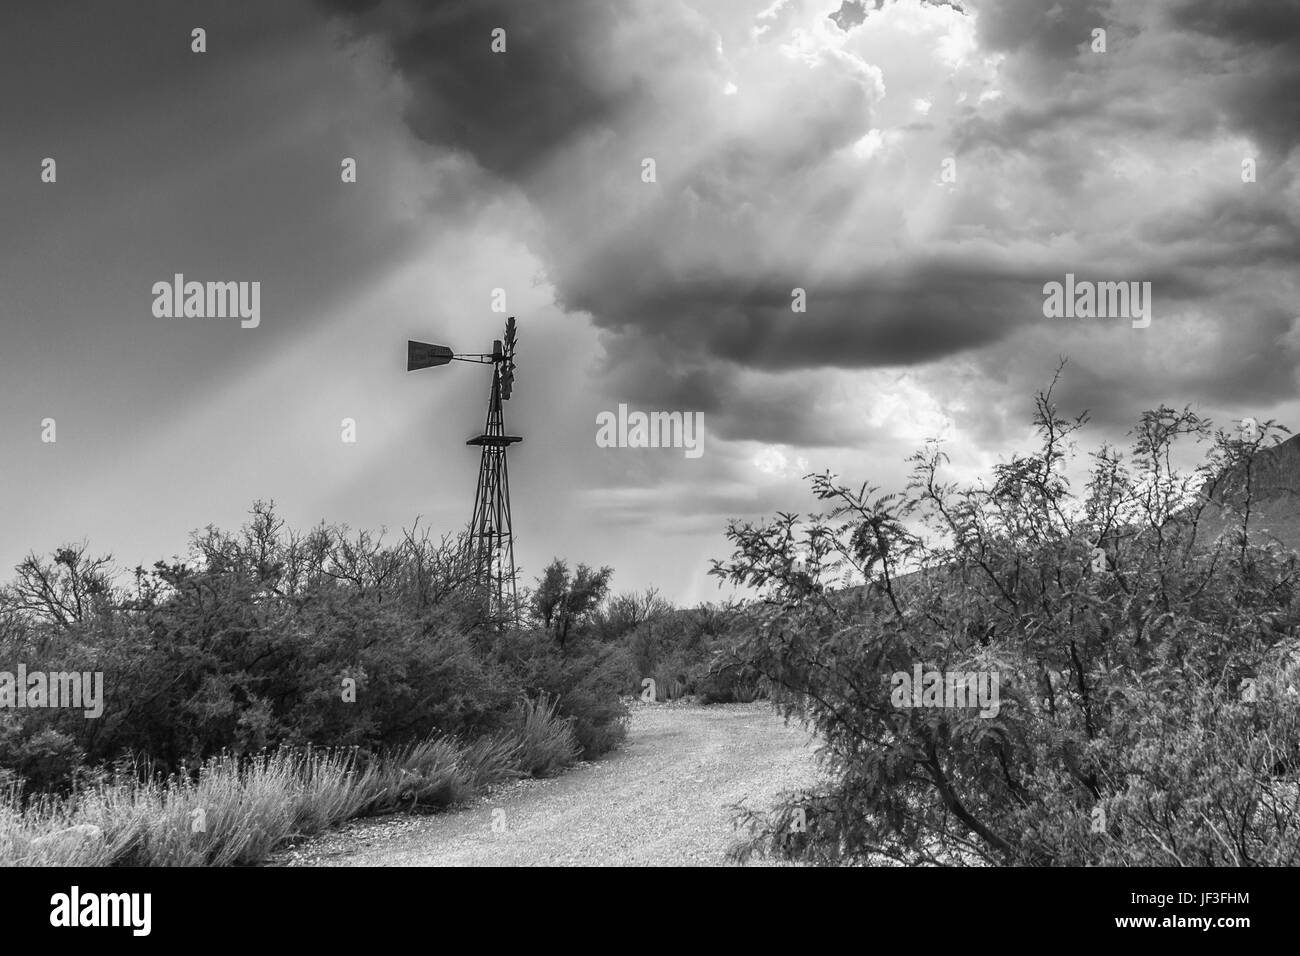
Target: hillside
(1275,499)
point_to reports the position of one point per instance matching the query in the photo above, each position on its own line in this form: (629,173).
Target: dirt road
(662,800)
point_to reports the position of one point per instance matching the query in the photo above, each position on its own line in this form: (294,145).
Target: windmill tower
(491,543)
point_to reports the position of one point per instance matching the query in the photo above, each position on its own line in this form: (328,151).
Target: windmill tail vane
(491,543)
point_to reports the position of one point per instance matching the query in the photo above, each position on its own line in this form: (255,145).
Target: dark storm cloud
(1259,45)
(1226,233)
(568,105)
(874,319)
(759,194)
(1024,127)
(652,375)
(561,82)
(511,110)
(1239,63)
(1047,32)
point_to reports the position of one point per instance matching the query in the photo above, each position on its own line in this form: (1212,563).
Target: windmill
(491,543)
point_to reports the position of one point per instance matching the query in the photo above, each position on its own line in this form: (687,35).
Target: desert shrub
(266,638)
(546,740)
(729,682)
(672,682)
(253,803)
(488,761)
(682,651)
(585,679)
(428,774)
(231,812)
(1123,637)
(565,604)
(600,724)
(332,788)
(235,810)
(625,613)
(40,756)
(224,674)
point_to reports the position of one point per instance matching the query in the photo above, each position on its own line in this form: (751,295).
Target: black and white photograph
(736,434)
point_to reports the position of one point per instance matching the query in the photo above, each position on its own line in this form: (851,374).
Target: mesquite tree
(1144,644)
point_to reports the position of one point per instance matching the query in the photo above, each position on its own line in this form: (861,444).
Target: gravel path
(660,801)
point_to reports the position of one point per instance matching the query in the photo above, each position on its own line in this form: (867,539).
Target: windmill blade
(423,355)
(507,379)
(508,370)
(508,374)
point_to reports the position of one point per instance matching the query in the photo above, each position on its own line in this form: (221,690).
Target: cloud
(790,154)
(1254,49)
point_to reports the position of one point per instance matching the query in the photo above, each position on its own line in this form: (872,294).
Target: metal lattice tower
(491,542)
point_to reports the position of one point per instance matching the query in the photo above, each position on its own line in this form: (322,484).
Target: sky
(920,170)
